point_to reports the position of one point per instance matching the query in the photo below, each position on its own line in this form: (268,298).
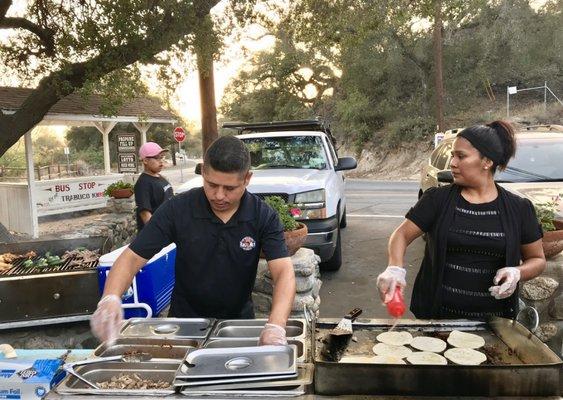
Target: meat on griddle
(80,256)
(10,258)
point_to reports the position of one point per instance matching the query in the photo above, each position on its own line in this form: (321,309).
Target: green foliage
(116,186)
(409,129)
(284,212)
(377,59)
(545,213)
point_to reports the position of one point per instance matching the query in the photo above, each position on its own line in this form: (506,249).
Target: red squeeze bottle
(396,307)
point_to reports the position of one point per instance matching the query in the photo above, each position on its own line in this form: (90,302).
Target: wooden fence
(55,171)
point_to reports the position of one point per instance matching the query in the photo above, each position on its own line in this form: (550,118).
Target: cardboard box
(29,379)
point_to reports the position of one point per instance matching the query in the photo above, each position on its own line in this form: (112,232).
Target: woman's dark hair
(227,154)
(495,141)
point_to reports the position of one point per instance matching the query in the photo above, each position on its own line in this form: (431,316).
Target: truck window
(302,152)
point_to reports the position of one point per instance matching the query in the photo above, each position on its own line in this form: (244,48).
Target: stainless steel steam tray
(239,362)
(304,376)
(238,342)
(156,348)
(105,371)
(170,328)
(251,328)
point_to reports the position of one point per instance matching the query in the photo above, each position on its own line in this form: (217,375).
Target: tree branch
(44,35)
(61,83)
(4,6)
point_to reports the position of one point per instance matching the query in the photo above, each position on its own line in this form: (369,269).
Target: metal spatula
(344,327)
(336,342)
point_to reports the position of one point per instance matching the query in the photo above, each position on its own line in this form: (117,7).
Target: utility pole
(205,48)
(438,81)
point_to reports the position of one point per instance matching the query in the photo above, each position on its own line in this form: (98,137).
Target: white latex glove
(107,318)
(389,279)
(508,278)
(272,334)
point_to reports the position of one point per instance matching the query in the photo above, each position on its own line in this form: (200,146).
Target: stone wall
(545,294)
(117,223)
(307,282)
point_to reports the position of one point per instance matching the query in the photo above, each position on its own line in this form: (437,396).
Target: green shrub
(409,129)
(546,213)
(284,212)
(116,186)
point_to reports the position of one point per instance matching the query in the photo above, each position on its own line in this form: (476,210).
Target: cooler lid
(109,258)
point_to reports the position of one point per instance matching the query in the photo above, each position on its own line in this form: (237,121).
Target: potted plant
(552,229)
(119,190)
(295,232)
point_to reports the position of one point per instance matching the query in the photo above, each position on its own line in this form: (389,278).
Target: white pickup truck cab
(297,161)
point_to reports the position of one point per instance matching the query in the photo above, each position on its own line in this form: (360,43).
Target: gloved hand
(389,279)
(509,276)
(272,334)
(107,318)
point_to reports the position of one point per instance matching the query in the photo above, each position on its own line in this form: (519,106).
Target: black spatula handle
(353,314)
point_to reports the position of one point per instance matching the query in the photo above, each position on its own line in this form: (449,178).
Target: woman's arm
(507,278)
(400,239)
(533,260)
(394,274)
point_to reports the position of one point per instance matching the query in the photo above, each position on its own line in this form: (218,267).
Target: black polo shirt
(216,262)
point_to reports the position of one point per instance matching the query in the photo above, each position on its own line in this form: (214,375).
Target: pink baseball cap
(150,149)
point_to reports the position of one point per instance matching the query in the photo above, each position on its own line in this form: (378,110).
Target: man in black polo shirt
(218,230)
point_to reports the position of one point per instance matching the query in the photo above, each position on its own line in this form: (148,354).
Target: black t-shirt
(475,252)
(150,193)
(216,262)
(452,225)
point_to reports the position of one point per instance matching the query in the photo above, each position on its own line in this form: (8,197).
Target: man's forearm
(282,298)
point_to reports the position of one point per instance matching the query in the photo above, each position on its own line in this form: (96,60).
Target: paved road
(374,210)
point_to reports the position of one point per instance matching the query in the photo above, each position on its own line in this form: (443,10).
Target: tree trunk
(207,99)
(438,81)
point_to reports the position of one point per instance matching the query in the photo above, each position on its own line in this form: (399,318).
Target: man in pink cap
(151,189)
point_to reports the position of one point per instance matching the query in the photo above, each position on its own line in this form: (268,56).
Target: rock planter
(552,243)
(306,267)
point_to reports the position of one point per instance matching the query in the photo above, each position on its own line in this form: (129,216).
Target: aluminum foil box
(29,379)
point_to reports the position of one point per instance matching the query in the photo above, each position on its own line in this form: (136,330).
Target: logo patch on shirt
(247,243)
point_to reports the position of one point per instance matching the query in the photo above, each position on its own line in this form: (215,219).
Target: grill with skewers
(50,281)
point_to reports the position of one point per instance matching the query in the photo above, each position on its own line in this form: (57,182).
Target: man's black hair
(228,154)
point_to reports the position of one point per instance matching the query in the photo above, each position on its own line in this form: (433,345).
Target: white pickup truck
(297,161)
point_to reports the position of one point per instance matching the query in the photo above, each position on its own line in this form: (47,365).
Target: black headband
(486,140)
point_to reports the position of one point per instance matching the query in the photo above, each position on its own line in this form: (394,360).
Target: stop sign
(179,134)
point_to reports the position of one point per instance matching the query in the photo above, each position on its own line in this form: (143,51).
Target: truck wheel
(334,262)
(343,221)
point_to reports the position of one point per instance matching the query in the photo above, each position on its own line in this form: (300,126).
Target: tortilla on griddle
(464,340)
(426,343)
(372,360)
(383,349)
(465,356)
(395,338)
(388,360)
(426,358)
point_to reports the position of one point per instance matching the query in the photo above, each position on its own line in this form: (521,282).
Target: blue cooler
(152,287)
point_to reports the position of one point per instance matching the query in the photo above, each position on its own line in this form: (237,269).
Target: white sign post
(67,152)
(180,136)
